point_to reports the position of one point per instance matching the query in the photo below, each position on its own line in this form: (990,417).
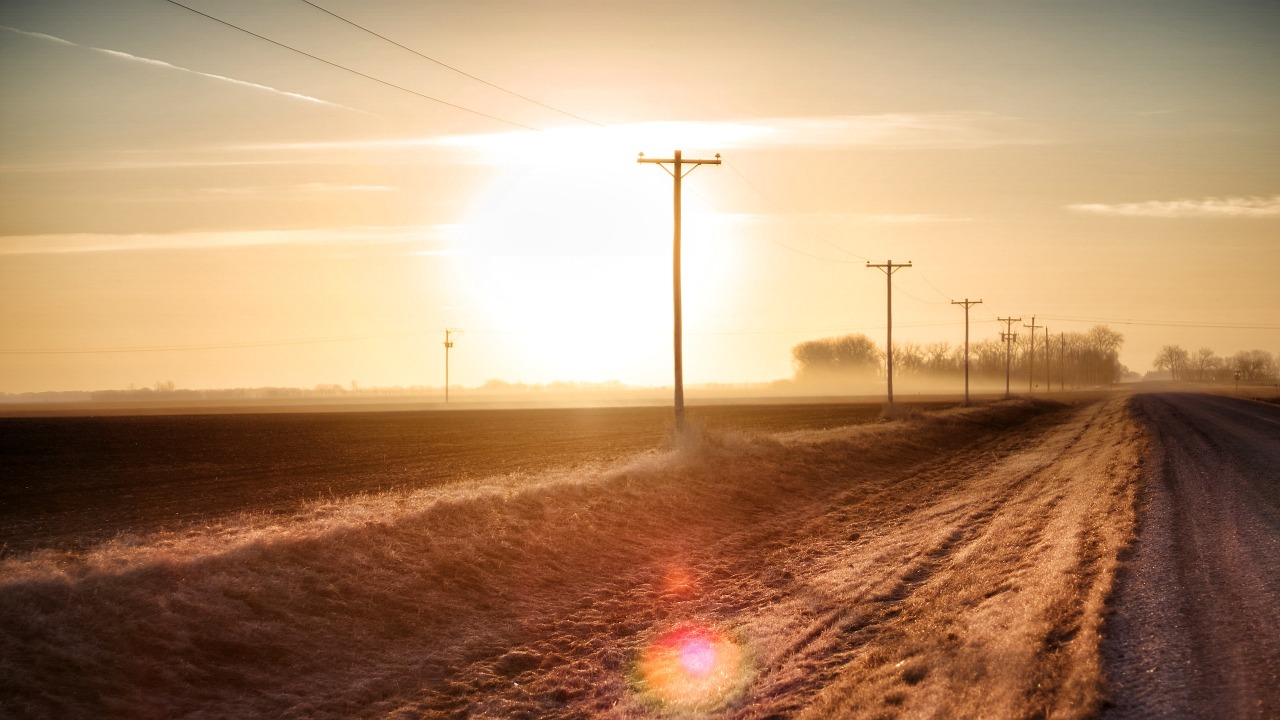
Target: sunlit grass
(706,577)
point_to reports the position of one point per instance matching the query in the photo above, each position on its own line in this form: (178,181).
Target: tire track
(997,613)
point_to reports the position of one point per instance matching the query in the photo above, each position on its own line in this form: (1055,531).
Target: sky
(183,200)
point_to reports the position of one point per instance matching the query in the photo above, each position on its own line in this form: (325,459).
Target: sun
(569,254)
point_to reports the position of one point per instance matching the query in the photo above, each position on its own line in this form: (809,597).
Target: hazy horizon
(182,201)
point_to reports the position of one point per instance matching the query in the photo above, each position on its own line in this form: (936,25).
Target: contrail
(171,66)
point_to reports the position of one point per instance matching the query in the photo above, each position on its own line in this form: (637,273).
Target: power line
(733,169)
(354,72)
(450,67)
(919,299)
(935,287)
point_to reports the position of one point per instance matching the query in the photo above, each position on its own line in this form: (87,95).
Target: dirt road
(1197,627)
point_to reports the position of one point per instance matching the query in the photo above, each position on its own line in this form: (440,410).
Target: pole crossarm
(890,267)
(677,162)
(677,172)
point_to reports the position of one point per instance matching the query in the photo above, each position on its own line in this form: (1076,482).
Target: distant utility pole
(966,303)
(677,172)
(1062,361)
(1031,370)
(1048,362)
(1008,336)
(448,344)
(889,269)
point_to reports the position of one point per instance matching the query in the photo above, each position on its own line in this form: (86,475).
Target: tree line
(1066,359)
(1249,366)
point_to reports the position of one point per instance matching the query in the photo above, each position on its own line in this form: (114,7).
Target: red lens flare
(693,666)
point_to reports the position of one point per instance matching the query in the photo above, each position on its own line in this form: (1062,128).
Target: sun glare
(691,667)
(570,249)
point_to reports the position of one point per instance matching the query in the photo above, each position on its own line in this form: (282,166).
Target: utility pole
(1031,370)
(1008,336)
(889,269)
(677,172)
(966,303)
(1048,362)
(1062,361)
(448,344)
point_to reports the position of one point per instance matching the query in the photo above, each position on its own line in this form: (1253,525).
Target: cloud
(858,218)
(169,66)
(946,130)
(429,239)
(941,130)
(313,187)
(1213,207)
(911,219)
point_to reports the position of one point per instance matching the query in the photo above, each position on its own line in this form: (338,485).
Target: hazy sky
(181,200)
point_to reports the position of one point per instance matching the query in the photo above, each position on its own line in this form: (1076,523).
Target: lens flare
(693,666)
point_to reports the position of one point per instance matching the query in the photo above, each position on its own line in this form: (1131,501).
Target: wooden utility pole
(1008,336)
(1062,361)
(448,345)
(1031,369)
(966,303)
(889,269)
(1048,362)
(677,172)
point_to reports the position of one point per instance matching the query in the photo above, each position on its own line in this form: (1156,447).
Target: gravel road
(1196,630)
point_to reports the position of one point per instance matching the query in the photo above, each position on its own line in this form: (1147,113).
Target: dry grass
(952,564)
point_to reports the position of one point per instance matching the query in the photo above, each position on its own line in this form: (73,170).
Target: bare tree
(1254,365)
(939,357)
(832,358)
(988,358)
(1205,363)
(909,358)
(1174,359)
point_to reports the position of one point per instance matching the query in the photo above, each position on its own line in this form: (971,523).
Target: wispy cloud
(856,218)
(947,130)
(426,239)
(938,130)
(942,130)
(169,66)
(315,187)
(1219,207)
(911,219)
